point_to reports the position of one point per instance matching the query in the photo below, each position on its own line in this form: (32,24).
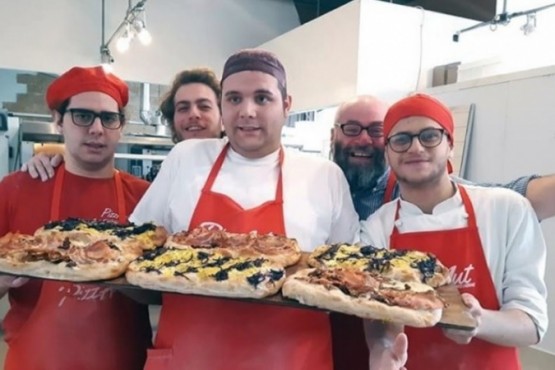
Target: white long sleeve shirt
(317,205)
(510,233)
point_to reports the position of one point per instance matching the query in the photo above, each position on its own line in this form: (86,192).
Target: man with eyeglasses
(57,325)
(358,148)
(191,107)
(489,238)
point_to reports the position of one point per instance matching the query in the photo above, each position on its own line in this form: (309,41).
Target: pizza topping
(360,284)
(406,264)
(279,249)
(209,265)
(200,237)
(80,250)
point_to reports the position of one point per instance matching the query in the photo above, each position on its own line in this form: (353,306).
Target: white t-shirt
(317,204)
(510,233)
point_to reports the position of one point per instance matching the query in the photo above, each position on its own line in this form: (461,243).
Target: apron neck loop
(467,207)
(219,163)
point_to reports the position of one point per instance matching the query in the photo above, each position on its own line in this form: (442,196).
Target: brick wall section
(33,100)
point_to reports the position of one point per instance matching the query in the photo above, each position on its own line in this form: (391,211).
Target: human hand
(476,310)
(42,165)
(392,357)
(7,282)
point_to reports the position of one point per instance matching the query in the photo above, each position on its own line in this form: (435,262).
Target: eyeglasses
(353,128)
(86,117)
(428,138)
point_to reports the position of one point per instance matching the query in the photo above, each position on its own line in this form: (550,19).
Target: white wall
(391,46)
(514,135)
(52,36)
(321,58)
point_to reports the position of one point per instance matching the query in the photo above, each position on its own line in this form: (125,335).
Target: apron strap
(469,208)
(390,185)
(120,198)
(279,187)
(57,196)
(215,169)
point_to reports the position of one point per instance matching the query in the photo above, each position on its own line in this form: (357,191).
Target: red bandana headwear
(419,105)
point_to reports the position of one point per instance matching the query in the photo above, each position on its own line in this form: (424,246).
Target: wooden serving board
(455,315)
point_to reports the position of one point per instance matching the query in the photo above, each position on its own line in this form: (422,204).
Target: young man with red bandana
(489,238)
(55,325)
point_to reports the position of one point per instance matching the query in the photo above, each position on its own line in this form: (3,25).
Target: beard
(359,176)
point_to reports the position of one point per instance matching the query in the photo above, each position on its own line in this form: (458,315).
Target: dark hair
(63,108)
(196,75)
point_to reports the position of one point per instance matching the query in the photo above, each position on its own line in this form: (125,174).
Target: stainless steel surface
(41,132)
(4,156)
(150,157)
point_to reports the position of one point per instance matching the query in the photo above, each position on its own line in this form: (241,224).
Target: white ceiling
(51,36)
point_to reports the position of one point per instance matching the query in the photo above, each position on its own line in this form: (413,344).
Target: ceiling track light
(133,25)
(505,18)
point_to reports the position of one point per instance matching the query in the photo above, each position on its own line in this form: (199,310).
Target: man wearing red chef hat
(60,325)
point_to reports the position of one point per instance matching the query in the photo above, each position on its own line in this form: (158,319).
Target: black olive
(221,275)
(255,279)
(151,255)
(203,255)
(275,274)
(368,250)
(242,265)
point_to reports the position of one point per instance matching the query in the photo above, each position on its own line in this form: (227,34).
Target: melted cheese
(174,262)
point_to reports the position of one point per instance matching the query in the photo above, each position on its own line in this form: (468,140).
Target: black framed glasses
(85,118)
(353,128)
(428,138)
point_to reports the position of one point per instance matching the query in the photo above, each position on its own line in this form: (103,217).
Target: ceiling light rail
(505,18)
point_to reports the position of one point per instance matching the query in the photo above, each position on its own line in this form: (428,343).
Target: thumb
(56,160)
(470,301)
(400,348)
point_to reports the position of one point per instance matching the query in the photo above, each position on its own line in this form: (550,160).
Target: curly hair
(197,75)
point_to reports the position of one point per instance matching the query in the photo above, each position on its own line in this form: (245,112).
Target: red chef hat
(255,60)
(78,80)
(419,105)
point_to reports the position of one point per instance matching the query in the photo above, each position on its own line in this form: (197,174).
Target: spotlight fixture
(530,25)
(133,25)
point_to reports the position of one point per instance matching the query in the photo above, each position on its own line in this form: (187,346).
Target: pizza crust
(191,284)
(335,300)
(60,271)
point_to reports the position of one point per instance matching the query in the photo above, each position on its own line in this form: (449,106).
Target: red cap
(419,105)
(78,80)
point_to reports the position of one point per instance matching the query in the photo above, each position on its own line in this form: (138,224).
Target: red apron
(203,333)
(80,326)
(461,249)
